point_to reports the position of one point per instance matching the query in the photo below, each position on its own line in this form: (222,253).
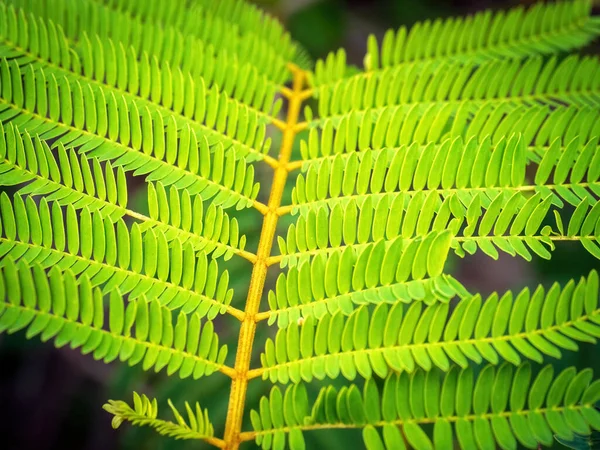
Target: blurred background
(51,398)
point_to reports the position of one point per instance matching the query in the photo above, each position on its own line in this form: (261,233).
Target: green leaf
(296,440)
(372,439)
(416,437)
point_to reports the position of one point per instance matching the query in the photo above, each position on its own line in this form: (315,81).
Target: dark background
(50,399)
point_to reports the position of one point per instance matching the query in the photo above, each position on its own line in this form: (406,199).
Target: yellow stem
(237,313)
(287,92)
(239,386)
(275,259)
(282,125)
(263,315)
(295,165)
(216,442)
(301,126)
(291,93)
(246,255)
(270,161)
(283,210)
(261,207)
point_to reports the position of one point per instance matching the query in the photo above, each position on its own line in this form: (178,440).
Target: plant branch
(272,260)
(474,341)
(239,387)
(250,435)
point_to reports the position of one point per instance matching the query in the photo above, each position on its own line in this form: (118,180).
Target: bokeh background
(50,399)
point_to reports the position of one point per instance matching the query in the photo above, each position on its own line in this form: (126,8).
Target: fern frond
(355,227)
(475,191)
(180,217)
(516,33)
(120,61)
(554,140)
(568,168)
(70,180)
(512,224)
(584,223)
(500,407)
(114,256)
(487,221)
(145,412)
(135,140)
(250,19)
(403,271)
(580,441)
(539,127)
(573,81)
(461,135)
(452,167)
(400,338)
(165,91)
(237,17)
(184,44)
(58,305)
(169,85)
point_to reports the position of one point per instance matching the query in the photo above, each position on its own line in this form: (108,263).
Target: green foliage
(539,127)
(144,413)
(401,337)
(510,83)
(500,406)
(411,190)
(542,29)
(402,271)
(463,135)
(70,310)
(67,178)
(581,442)
(113,256)
(134,139)
(75,180)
